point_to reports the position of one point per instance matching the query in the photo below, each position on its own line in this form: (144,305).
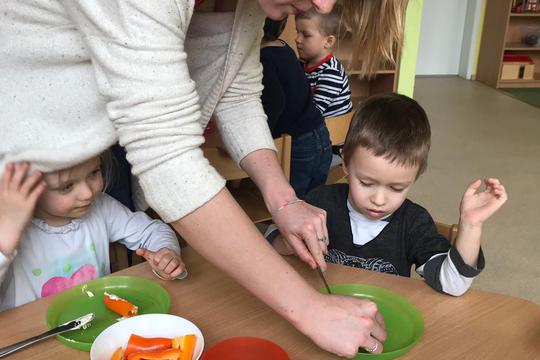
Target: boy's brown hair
(329,24)
(393,126)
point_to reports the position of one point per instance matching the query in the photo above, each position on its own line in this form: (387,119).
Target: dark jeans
(311,156)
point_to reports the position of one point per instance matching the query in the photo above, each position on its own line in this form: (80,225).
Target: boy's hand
(18,197)
(478,206)
(165,262)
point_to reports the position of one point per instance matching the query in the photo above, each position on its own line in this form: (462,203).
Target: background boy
(316,37)
(370,222)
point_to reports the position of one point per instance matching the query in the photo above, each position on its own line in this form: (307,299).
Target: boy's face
(70,193)
(377,187)
(312,45)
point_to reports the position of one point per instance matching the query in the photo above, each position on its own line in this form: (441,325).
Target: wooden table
(478,325)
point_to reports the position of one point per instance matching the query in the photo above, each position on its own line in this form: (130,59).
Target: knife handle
(58,330)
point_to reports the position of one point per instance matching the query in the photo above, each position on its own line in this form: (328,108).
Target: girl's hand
(303,228)
(343,324)
(18,197)
(477,206)
(167,264)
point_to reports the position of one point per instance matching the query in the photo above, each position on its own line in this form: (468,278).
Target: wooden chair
(338,127)
(245,191)
(118,256)
(448,231)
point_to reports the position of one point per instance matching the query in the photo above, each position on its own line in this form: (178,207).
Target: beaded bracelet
(289,202)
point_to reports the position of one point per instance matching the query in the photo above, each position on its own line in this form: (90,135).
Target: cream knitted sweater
(78,75)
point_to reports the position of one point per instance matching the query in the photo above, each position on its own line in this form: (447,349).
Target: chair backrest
(338,127)
(448,231)
(227,167)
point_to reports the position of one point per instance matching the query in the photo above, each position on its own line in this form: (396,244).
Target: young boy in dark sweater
(372,225)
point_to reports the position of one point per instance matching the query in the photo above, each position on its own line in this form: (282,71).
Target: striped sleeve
(331,91)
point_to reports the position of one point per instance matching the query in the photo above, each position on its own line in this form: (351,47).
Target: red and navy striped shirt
(330,87)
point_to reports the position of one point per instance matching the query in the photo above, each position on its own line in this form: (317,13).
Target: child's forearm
(10,239)
(468,242)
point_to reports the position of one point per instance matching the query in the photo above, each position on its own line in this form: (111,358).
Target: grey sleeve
(449,274)
(136,229)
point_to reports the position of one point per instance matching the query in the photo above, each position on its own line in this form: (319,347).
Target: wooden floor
(480,132)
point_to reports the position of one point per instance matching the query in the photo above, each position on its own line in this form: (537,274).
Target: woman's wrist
(277,200)
(288,203)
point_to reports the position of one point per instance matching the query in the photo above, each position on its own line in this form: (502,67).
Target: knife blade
(68,326)
(324,279)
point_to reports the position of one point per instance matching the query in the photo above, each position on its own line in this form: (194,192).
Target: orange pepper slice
(187,344)
(170,354)
(138,344)
(119,305)
(118,354)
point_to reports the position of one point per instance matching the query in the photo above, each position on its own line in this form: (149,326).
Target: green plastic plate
(404,322)
(77,301)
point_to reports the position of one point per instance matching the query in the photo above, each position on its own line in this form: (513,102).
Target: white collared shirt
(363,228)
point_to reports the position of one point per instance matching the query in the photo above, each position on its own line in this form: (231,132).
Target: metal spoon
(70,325)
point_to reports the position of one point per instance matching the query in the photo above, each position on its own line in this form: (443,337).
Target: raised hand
(166,263)
(478,205)
(303,227)
(18,197)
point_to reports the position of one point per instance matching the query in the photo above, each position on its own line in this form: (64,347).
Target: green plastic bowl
(403,320)
(77,301)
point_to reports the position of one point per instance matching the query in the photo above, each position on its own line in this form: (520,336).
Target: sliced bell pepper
(138,343)
(169,354)
(119,305)
(187,344)
(118,354)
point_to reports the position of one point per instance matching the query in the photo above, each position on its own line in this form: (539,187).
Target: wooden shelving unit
(502,35)
(385,80)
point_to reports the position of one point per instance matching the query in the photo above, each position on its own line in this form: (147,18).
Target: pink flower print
(58,283)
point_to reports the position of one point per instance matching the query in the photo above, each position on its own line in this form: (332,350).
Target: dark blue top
(286,97)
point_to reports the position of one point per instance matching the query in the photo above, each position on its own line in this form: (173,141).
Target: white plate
(148,325)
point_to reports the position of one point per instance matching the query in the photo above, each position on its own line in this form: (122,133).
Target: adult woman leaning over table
(78,75)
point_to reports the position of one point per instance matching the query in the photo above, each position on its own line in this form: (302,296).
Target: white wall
(441,37)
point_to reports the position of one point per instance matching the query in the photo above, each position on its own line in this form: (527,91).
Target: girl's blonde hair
(376,27)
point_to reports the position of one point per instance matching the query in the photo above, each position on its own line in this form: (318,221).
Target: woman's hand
(18,197)
(166,263)
(303,227)
(343,324)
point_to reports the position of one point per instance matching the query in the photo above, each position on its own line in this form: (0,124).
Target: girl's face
(377,187)
(70,193)
(279,9)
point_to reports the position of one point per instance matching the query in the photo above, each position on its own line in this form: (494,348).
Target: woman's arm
(231,242)
(242,124)
(300,223)
(137,52)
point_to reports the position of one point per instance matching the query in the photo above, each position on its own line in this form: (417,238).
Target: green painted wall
(478,39)
(407,66)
